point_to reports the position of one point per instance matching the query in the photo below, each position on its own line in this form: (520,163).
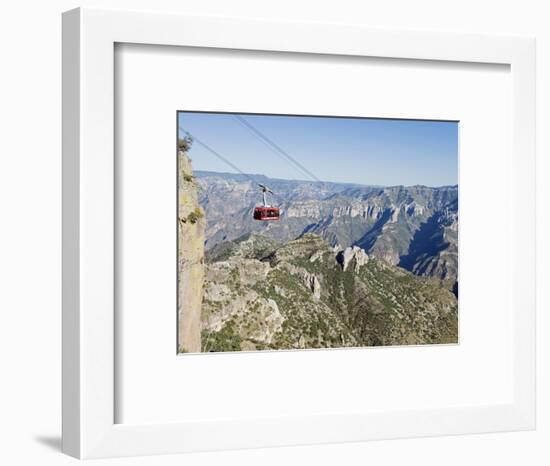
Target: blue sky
(354,150)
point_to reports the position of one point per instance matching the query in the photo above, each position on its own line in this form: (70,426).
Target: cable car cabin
(266,213)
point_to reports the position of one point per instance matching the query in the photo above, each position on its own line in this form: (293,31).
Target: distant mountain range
(413,227)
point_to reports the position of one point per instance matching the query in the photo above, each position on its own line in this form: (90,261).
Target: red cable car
(266,212)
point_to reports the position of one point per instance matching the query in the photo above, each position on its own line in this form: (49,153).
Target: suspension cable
(221,157)
(274,147)
(224,159)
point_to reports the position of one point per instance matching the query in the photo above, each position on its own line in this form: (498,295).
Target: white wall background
(30,226)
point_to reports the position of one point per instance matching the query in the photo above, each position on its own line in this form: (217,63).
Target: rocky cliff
(261,294)
(191,269)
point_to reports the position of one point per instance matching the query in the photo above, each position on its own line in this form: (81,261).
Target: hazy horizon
(198,172)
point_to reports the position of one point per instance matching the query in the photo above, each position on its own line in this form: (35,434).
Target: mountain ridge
(305,294)
(415,227)
(243,177)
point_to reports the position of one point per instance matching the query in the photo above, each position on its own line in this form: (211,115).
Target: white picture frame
(89,38)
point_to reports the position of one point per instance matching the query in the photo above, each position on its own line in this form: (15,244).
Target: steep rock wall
(191,228)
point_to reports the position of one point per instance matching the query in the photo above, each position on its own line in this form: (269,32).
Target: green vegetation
(316,303)
(185,143)
(227,339)
(194,216)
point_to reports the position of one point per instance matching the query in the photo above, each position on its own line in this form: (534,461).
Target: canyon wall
(191,235)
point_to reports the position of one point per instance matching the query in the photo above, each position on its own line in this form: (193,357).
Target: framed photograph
(363,252)
(293,233)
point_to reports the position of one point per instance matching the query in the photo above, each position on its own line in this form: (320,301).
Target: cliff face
(191,228)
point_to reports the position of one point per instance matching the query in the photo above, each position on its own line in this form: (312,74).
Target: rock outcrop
(191,269)
(352,253)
